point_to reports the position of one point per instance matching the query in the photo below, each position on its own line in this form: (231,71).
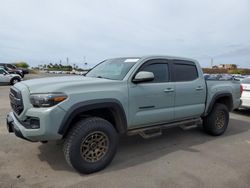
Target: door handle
(169,90)
(199,88)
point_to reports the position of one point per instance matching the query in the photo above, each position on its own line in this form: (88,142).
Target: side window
(184,72)
(160,71)
(1,71)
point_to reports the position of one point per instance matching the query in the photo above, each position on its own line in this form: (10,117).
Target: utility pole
(67,60)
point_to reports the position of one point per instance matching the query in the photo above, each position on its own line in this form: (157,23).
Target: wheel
(14,81)
(217,120)
(90,145)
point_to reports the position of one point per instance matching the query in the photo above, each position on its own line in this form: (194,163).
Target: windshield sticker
(131,60)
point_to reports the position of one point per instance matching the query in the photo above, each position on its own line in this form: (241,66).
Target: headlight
(47,99)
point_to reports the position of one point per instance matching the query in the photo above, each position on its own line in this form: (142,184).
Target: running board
(156,130)
(150,134)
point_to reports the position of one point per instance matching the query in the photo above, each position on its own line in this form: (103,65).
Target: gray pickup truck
(132,95)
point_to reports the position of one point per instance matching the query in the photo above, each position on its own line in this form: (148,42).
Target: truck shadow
(135,150)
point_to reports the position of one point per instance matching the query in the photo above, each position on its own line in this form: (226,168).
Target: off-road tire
(14,80)
(217,120)
(73,144)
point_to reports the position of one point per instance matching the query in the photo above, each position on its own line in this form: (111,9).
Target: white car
(239,77)
(6,77)
(245,97)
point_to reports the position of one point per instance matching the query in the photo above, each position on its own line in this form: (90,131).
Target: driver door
(4,76)
(152,102)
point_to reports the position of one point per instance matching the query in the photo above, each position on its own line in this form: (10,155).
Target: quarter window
(184,71)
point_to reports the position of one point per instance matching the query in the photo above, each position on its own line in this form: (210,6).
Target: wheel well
(15,78)
(104,113)
(108,114)
(226,100)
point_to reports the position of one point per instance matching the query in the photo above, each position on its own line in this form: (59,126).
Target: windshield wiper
(102,77)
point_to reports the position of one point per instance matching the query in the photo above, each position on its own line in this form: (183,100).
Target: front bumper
(13,127)
(48,130)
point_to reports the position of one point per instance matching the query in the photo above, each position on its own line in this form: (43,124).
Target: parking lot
(178,158)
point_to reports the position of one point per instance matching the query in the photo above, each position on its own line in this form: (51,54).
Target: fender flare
(218,96)
(113,104)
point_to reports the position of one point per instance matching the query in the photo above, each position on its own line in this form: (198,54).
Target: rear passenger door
(190,90)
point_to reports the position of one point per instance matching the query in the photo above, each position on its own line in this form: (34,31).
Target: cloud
(236,53)
(45,31)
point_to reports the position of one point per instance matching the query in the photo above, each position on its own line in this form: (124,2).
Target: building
(227,66)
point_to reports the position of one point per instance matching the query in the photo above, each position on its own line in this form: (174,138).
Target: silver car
(8,78)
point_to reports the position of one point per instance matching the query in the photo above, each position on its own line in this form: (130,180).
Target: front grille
(16,101)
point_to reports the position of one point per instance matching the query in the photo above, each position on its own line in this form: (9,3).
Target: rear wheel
(217,121)
(91,145)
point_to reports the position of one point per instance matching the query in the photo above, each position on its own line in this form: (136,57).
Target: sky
(47,31)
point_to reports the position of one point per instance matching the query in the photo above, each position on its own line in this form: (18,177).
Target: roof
(156,56)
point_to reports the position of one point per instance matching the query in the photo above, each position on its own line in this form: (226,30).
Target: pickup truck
(12,69)
(7,78)
(131,95)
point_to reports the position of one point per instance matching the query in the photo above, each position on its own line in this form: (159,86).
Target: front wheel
(217,120)
(14,81)
(90,145)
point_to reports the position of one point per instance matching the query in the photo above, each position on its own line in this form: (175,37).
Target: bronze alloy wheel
(94,146)
(220,119)
(90,145)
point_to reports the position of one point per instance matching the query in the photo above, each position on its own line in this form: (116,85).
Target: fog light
(32,123)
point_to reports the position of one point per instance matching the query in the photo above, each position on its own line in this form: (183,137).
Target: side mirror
(143,76)
(4,73)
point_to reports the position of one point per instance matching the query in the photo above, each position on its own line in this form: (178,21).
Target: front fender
(80,108)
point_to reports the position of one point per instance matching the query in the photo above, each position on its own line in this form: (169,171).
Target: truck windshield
(2,71)
(114,69)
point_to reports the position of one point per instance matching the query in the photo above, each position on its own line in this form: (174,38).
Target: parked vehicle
(246,93)
(206,76)
(239,77)
(8,78)
(12,69)
(119,96)
(218,77)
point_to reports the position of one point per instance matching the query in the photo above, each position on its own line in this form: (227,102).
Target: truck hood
(62,84)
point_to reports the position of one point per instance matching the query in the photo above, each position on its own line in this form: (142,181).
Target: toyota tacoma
(131,95)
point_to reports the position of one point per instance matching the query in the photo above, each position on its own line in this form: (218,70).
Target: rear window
(184,71)
(246,81)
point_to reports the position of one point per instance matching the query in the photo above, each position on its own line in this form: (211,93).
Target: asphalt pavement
(176,159)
